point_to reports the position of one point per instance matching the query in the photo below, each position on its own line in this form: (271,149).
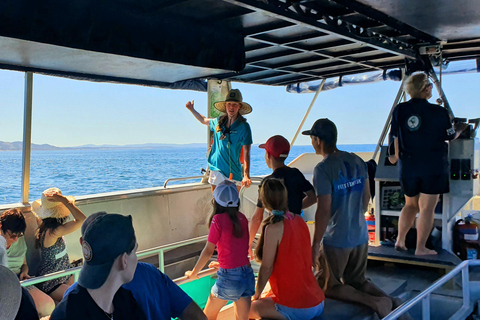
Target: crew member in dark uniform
(420,129)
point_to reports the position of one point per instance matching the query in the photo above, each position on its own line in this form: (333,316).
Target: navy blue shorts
(429,184)
(233,284)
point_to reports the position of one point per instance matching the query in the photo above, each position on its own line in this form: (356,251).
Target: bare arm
(366,195)
(203,120)
(255,225)
(309,200)
(193,312)
(273,236)
(394,158)
(24,271)
(78,216)
(322,216)
(206,254)
(246,182)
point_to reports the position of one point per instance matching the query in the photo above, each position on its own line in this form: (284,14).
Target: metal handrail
(181,179)
(160,250)
(425,295)
(255,180)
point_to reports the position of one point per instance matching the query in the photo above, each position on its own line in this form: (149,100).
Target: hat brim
(10,293)
(94,276)
(307,133)
(262,146)
(58,212)
(244,109)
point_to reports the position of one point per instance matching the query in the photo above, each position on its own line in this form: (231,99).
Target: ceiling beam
(403,49)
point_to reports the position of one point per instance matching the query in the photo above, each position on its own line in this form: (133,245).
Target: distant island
(18,145)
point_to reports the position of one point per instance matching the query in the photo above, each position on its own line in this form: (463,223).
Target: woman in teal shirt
(231,133)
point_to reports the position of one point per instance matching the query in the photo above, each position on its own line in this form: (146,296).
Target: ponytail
(274,198)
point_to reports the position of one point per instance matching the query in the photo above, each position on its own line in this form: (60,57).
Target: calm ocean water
(82,172)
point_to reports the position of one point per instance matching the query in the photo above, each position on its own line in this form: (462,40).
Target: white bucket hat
(44,208)
(234,95)
(10,293)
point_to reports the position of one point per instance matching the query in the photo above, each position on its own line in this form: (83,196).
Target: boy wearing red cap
(301,193)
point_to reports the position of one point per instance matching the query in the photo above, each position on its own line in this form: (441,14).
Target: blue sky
(71,113)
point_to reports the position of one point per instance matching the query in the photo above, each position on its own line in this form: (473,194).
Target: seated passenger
(301,193)
(229,232)
(12,227)
(285,252)
(53,209)
(15,301)
(109,247)
(159,297)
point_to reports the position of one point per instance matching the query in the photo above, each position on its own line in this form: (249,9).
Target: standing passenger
(229,232)
(341,184)
(53,209)
(231,133)
(420,130)
(301,194)
(284,250)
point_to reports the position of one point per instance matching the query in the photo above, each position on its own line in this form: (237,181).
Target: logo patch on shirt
(414,122)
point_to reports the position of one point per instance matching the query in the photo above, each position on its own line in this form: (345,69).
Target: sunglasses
(16,235)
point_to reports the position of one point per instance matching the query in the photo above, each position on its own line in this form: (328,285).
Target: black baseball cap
(105,238)
(324,129)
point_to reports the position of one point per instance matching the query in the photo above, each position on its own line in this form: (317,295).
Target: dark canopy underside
(166,42)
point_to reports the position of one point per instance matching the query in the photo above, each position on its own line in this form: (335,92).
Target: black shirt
(422,128)
(78,304)
(27,310)
(296,185)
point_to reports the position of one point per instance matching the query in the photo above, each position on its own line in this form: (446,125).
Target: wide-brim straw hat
(10,293)
(234,95)
(44,208)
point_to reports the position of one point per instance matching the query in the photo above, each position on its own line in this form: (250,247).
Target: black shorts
(431,184)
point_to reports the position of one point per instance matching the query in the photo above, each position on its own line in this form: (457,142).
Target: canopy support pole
(27,136)
(308,112)
(400,93)
(438,86)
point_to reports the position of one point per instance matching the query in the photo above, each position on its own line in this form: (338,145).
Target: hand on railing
(214,264)
(190,275)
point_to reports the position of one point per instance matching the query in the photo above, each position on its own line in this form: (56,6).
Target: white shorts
(216,177)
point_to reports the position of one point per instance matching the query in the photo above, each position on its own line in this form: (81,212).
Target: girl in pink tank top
(229,233)
(285,252)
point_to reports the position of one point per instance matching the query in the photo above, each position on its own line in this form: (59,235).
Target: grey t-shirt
(343,175)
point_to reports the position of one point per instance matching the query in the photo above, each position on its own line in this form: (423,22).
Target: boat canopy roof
(178,43)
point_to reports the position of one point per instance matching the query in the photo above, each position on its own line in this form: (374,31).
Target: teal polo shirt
(225,154)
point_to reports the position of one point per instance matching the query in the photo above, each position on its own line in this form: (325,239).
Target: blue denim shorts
(233,284)
(300,314)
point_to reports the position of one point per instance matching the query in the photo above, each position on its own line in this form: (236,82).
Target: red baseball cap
(277,146)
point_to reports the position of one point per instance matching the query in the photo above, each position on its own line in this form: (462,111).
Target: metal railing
(181,179)
(424,296)
(160,251)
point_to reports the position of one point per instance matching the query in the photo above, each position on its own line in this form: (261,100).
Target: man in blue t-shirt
(158,296)
(341,185)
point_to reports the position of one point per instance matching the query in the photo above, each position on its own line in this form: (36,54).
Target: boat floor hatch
(444,260)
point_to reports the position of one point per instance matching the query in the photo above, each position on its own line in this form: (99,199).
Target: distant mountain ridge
(18,145)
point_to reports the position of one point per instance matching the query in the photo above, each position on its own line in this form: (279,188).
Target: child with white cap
(229,233)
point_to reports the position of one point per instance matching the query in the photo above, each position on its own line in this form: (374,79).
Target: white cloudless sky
(71,112)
